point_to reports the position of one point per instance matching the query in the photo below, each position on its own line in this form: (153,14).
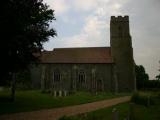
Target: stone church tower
(122,53)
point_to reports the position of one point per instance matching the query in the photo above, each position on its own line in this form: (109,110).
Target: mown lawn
(35,100)
(140,112)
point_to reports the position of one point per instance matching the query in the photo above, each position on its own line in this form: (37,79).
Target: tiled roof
(78,55)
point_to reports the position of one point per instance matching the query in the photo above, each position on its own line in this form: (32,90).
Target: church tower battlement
(120,18)
(119,26)
(122,53)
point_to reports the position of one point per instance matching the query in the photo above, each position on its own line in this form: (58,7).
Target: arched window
(56,76)
(81,77)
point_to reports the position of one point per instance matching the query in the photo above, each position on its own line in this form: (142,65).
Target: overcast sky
(85,23)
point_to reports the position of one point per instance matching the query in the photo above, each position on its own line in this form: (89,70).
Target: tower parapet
(119,26)
(120,18)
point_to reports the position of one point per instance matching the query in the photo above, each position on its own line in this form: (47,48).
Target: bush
(142,99)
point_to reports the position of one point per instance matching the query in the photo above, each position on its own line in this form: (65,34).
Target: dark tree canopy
(141,76)
(143,81)
(24,29)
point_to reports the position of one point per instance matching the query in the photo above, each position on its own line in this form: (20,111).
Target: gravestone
(115,114)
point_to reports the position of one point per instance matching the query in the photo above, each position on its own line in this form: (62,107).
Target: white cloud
(92,34)
(60,6)
(94,25)
(95,31)
(84,5)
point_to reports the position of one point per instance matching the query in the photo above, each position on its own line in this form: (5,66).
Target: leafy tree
(141,76)
(24,29)
(158,76)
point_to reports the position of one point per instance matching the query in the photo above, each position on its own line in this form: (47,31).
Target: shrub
(142,99)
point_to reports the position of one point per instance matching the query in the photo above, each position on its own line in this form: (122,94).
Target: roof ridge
(78,55)
(82,47)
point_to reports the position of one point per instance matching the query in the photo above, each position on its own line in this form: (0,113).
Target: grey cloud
(145,27)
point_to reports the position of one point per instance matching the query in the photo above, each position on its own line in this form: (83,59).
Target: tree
(158,76)
(24,29)
(141,76)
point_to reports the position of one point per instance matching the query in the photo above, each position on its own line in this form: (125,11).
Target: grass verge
(35,100)
(139,111)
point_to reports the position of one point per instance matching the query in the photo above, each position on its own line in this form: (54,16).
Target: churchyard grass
(35,100)
(139,111)
(102,114)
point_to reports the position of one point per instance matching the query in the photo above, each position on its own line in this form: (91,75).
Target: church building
(110,69)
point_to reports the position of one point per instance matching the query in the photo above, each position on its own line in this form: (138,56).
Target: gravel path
(54,114)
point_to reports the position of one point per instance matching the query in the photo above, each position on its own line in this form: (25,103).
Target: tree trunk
(13,84)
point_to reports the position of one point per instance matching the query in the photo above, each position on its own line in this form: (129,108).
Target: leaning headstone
(60,93)
(115,114)
(65,93)
(131,112)
(148,101)
(55,93)
(1,88)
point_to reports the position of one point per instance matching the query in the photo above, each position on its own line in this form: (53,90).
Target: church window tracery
(81,77)
(56,76)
